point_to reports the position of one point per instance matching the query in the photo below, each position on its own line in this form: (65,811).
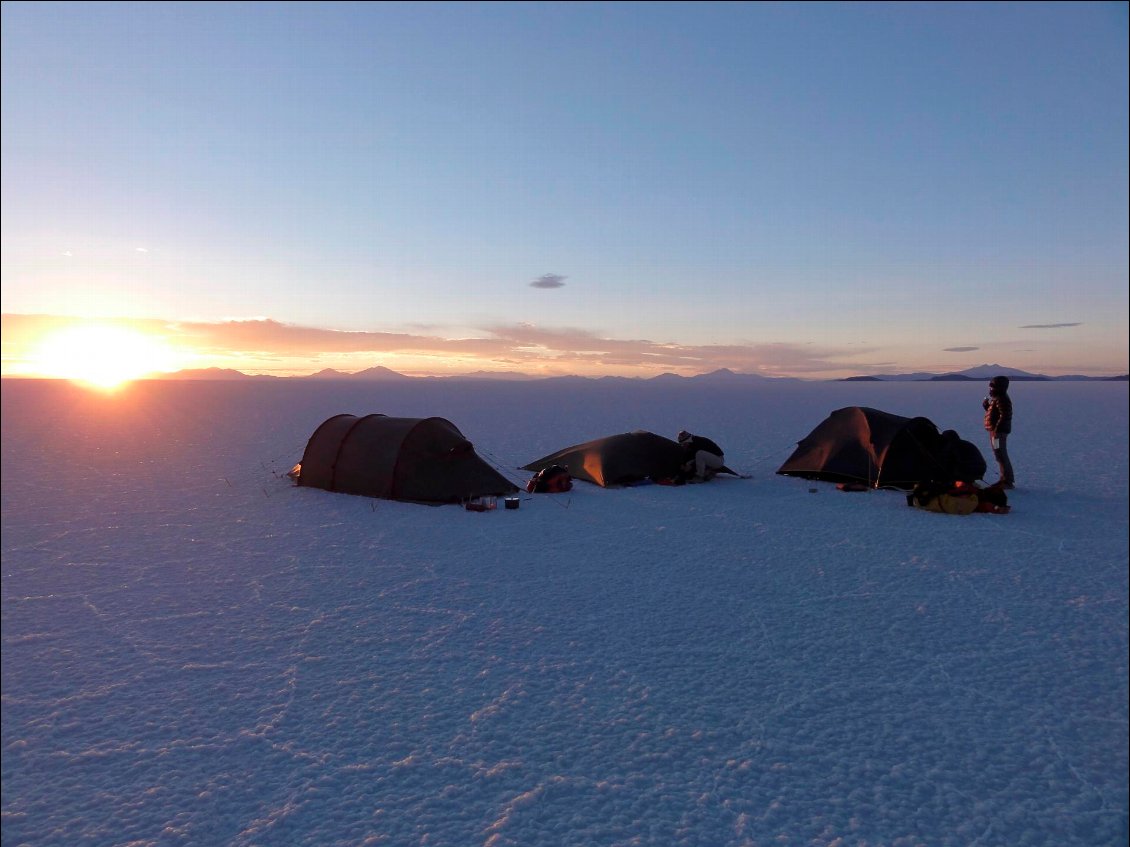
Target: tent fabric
(618,459)
(859,444)
(419,460)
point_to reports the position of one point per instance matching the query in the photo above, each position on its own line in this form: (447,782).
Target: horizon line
(384,374)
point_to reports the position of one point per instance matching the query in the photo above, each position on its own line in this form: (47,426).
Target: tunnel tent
(418,460)
(857,444)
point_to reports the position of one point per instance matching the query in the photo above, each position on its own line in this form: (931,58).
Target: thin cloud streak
(265,345)
(1050,326)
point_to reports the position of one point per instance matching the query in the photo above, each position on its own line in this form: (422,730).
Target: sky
(793,189)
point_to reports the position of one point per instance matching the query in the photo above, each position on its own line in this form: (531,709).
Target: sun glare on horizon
(102,356)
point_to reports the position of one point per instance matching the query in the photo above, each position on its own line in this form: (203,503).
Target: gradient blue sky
(794,189)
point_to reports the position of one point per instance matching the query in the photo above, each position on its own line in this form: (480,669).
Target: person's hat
(999,382)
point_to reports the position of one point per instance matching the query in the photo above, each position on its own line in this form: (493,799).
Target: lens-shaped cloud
(548,281)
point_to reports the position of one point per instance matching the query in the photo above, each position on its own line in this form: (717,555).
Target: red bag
(552,480)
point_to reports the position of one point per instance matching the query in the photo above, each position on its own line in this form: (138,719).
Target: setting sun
(103,356)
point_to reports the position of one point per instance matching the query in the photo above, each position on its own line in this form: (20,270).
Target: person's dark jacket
(998,412)
(699,442)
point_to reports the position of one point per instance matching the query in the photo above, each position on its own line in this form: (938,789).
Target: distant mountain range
(383,374)
(983,372)
(722,375)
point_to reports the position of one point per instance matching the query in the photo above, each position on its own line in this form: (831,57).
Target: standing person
(998,422)
(702,458)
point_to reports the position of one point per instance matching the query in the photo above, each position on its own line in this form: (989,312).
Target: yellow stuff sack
(952,504)
(944,498)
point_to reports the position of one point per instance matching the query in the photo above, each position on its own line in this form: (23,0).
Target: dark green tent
(858,444)
(420,460)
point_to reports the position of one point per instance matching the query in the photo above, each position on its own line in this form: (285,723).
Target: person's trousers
(705,461)
(1000,453)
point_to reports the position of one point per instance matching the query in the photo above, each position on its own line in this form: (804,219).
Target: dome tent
(418,460)
(858,444)
(617,459)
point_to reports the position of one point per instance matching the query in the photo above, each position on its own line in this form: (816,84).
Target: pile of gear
(959,498)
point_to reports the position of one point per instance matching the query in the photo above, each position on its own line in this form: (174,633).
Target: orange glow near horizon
(101,356)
